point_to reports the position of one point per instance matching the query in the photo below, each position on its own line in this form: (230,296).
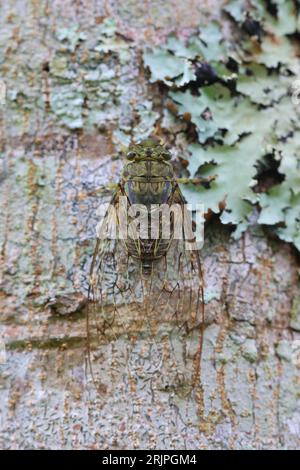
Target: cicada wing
(175,318)
(150,321)
(105,288)
(172,314)
(193,271)
(115,314)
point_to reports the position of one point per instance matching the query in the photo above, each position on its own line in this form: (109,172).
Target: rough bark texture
(49,173)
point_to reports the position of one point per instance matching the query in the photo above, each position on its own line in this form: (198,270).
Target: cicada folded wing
(146,314)
(153,319)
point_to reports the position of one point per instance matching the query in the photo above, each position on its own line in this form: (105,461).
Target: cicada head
(148,174)
(148,150)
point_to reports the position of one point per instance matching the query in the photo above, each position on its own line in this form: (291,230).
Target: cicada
(146,285)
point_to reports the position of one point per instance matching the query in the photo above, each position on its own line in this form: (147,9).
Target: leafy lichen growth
(242,100)
(99,89)
(295,314)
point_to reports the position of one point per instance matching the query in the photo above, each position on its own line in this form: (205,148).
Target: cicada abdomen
(146,282)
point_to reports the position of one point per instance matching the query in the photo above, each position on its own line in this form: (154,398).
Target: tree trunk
(53,160)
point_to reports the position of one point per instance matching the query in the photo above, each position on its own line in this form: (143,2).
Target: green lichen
(284,350)
(70,37)
(249,350)
(239,101)
(210,295)
(97,90)
(295,314)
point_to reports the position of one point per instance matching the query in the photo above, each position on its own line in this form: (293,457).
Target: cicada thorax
(148,182)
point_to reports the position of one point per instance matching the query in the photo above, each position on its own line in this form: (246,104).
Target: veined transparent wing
(150,322)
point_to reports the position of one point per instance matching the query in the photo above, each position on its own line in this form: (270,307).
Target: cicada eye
(130,155)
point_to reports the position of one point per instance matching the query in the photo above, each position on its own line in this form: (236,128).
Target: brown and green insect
(146,292)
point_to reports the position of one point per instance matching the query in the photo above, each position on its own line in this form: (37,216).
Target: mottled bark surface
(57,148)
